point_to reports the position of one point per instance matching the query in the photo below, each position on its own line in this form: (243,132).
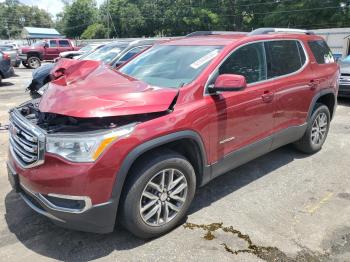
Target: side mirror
(46,45)
(229,82)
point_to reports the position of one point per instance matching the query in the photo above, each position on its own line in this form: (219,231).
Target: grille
(27,142)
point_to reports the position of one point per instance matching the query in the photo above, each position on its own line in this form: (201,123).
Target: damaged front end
(34,133)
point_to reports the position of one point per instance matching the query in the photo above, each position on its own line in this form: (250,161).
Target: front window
(248,61)
(171,66)
(39,44)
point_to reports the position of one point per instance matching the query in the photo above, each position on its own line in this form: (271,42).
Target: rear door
(64,45)
(290,78)
(51,50)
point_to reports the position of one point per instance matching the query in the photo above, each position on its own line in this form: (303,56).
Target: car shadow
(6,84)
(244,175)
(41,236)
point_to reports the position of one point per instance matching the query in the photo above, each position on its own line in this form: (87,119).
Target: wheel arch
(326,97)
(194,152)
(35,54)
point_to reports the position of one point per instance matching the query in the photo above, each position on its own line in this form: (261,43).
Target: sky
(52,6)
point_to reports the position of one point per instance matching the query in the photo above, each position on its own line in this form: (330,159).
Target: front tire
(316,132)
(34,62)
(158,194)
(25,64)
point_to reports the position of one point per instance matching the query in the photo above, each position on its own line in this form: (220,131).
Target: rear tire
(316,132)
(34,62)
(153,189)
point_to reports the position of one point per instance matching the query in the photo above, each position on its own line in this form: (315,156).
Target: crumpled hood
(94,90)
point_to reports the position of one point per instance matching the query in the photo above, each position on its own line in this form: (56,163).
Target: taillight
(6,57)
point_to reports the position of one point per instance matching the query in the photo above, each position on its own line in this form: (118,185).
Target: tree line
(135,18)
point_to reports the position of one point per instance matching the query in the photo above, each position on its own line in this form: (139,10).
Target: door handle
(268,96)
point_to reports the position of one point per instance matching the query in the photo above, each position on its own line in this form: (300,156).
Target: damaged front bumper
(73,195)
(91,218)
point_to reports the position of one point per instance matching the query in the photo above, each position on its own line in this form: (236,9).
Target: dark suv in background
(6,69)
(133,145)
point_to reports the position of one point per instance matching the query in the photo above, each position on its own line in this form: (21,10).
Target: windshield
(171,66)
(105,54)
(87,48)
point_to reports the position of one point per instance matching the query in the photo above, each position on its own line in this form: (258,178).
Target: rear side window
(64,43)
(321,51)
(284,57)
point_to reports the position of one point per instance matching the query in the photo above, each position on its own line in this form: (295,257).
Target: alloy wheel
(319,129)
(163,197)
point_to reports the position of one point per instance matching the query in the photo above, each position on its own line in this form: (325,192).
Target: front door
(241,120)
(52,50)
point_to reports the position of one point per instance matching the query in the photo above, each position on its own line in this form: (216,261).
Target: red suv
(47,50)
(133,145)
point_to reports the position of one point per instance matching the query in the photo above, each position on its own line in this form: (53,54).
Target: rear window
(284,57)
(321,51)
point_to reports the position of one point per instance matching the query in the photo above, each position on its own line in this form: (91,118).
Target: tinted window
(64,43)
(248,61)
(321,51)
(283,57)
(53,43)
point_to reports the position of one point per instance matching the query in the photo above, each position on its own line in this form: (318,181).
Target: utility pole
(108,17)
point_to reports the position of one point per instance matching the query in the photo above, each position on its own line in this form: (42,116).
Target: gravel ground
(284,206)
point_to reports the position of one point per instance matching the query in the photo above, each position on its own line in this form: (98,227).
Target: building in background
(338,40)
(34,33)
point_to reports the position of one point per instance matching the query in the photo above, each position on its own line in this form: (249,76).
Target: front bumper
(23,57)
(98,218)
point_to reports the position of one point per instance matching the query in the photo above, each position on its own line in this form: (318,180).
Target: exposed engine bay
(54,123)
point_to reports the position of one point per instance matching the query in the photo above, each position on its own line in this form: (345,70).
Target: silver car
(13,53)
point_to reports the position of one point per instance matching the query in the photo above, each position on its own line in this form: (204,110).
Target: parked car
(13,53)
(44,51)
(84,50)
(133,145)
(344,81)
(344,85)
(113,54)
(6,70)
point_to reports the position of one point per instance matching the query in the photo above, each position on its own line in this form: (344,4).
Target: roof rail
(204,33)
(264,31)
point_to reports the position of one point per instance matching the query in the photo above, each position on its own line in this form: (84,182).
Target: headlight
(43,89)
(85,147)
